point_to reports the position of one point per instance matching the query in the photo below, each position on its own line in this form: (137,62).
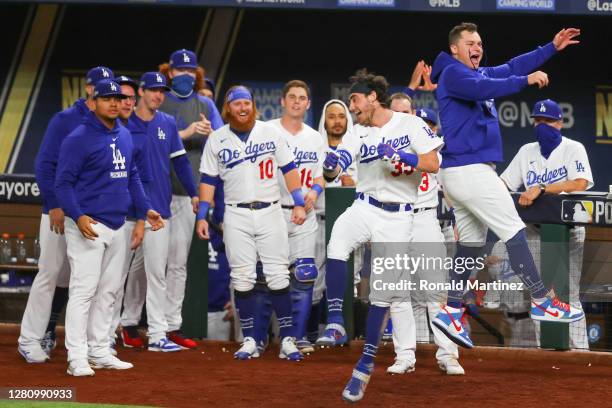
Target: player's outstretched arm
(207,193)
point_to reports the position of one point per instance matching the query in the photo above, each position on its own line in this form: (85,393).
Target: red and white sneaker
(131,338)
(179,338)
(554,310)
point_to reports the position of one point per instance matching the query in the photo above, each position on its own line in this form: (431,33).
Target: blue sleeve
(210,180)
(141,158)
(71,158)
(215,117)
(469,85)
(219,199)
(288,167)
(47,159)
(410,92)
(182,168)
(523,64)
(139,198)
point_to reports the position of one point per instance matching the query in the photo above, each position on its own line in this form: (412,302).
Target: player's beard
(242,126)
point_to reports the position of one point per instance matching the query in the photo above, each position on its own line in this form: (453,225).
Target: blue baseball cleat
(449,322)
(355,389)
(554,310)
(334,335)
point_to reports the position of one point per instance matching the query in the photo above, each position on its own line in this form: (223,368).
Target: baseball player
(387,146)
(134,230)
(552,165)
(245,154)
(400,102)
(36,342)
(164,148)
(472,139)
(196,116)
(335,124)
(308,150)
(410,318)
(96,179)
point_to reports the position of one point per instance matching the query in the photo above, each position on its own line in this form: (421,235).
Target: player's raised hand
(417,75)
(298,215)
(331,161)
(538,78)
(386,152)
(202,229)
(56,220)
(203,127)
(566,37)
(84,223)
(427,84)
(155,220)
(137,234)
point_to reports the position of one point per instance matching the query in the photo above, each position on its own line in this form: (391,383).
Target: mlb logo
(577,211)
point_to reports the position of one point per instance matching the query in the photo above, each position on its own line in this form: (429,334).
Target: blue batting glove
(331,161)
(385,151)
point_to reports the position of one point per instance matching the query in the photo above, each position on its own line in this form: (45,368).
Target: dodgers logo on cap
(97,74)
(153,80)
(547,109)
(183,59)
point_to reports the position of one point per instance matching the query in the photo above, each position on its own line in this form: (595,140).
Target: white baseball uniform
(568,161)
(249,173)
(309,152)
(382,181)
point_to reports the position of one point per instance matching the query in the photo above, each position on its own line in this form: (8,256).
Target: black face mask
(548,138)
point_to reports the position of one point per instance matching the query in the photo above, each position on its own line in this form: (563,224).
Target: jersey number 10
(266,169)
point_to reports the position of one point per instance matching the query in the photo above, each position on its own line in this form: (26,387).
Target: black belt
(517,316)
(418,210)
(255,205)
(288,207)
(391,207)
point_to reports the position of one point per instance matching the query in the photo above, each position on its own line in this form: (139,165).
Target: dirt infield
(210,377)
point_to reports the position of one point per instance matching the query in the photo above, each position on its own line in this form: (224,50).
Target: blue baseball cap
(153,80)
(126,80)
(211,84)
(108,87)
(547,109)
(427,114)
(183,59)
(97,74)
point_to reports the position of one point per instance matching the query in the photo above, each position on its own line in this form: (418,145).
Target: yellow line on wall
(25,78)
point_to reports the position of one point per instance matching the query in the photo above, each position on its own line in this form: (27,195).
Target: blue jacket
(140,155)
(163,145)
(61,124)
(467,107)
(96,174)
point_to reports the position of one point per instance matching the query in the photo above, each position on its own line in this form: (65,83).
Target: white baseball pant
(302,238)
(425,229)
(363,222)
(481,201)
(251,233)
(96,271)
(182,224)
(217,328)
(53,270)
(154,250)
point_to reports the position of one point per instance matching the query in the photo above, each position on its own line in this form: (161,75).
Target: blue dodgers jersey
(96,174)
(141,160)
(163,144)
(60,126)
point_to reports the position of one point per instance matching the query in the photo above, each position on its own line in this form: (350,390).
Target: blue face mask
(183,84)
(548,138)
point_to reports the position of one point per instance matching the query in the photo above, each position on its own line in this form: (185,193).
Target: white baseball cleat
(401,367)
(80,368)
(289,350)
(110,362)
(247,350)
(33,354)
(451,367)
